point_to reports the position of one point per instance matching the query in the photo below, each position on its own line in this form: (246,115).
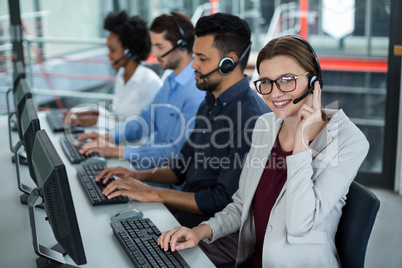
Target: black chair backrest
(355,225)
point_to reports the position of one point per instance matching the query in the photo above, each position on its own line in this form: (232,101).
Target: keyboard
(87,174)
(56,122)
(72,151)
(139,238)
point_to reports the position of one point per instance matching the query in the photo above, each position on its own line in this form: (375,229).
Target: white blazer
(303,222)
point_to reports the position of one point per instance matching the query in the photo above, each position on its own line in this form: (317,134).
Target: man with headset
(213,155)
(170,114)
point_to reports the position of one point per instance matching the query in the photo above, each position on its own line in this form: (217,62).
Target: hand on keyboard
(102,144)
(86,174)
(187,237)
(84,119)
(139,239)
(132,188)
(72,151)
(93,136)
(56,122)
(119,172)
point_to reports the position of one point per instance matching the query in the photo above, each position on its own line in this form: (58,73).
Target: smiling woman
(287,209)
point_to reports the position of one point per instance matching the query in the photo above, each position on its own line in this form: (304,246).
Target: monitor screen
(54,188)
(21,94)
(29,124)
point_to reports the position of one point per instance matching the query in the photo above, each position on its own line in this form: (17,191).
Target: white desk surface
(101,247)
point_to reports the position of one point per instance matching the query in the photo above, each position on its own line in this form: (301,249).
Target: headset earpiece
(312,81)
(226,65)
(129,55)
(181,44)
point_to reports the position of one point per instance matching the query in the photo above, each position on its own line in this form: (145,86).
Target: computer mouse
(131,213)
(94,160)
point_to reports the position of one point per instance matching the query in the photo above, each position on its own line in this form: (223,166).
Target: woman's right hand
(186,237)
(311,121)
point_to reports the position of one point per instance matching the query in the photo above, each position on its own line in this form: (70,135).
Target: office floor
(385,244)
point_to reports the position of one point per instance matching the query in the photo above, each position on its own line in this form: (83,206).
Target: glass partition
(351,38)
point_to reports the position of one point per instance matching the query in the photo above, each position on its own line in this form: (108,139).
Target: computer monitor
(54,189)
(18,74)
(21,94)
(29,125)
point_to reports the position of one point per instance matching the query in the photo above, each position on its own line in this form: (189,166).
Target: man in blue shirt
(214,153)
(162,127)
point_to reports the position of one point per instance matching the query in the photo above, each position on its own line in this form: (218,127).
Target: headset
(227,64)
(315,77)
(126,55)
(181,43)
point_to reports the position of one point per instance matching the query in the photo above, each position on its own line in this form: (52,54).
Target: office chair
(355,225)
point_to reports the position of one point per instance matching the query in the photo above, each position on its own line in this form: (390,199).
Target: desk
(101,247)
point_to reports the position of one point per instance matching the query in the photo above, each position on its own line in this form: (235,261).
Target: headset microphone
(211,72)
(167,53)
(117,61)
(310,90)
(297,100)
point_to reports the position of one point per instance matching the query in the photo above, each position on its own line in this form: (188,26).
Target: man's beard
(207,85)
(173,62)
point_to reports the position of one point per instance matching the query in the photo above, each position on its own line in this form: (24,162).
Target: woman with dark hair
(293,185)
(136,85)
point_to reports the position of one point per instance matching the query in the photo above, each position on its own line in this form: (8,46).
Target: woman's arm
(310,198)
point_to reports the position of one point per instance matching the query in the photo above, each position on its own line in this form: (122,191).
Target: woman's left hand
(310,120)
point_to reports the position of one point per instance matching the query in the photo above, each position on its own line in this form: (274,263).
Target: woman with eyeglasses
(302,161)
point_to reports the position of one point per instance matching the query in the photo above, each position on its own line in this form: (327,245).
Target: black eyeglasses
(264,86)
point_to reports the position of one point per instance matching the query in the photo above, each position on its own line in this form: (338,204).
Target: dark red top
(272,180)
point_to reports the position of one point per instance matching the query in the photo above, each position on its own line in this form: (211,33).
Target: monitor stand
(21,158)
(48,257)
(13,125)
(24,200)
(46,263)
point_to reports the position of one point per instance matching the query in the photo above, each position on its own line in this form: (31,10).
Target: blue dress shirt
(165,124)
(214,153)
